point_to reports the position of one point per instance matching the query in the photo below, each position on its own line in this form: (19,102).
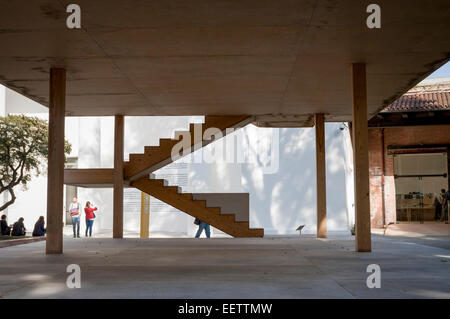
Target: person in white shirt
(74,210)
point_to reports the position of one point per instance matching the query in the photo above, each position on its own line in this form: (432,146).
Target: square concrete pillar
(55,175)
(321,179)
(145,215)
(118,177)
(361,158)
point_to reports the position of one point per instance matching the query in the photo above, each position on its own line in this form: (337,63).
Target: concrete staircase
(198,136)
(137,171)
(198,208)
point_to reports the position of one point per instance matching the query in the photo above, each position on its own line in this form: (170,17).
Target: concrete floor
(277,267)
(418,230)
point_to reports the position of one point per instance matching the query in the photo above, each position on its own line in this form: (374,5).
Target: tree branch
(10,202)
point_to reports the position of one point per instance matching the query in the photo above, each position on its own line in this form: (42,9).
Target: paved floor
(276,267)
(418,230)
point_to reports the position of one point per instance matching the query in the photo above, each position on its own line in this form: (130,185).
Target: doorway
(419,178)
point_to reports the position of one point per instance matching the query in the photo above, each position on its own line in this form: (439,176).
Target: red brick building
(409,144)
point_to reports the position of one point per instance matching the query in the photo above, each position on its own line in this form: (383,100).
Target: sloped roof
(430,95)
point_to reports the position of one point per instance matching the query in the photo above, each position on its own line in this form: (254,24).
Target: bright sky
(443,72)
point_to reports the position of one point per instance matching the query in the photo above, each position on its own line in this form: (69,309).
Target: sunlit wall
(276,166)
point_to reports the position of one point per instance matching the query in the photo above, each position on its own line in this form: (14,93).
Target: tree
(23,148)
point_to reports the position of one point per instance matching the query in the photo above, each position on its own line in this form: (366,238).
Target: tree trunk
(11,201)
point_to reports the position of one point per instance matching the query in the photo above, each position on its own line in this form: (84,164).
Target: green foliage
(23,149)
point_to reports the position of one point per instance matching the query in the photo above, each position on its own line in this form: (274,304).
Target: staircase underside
(196,208)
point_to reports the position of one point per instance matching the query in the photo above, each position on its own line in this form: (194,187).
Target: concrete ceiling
(288,58)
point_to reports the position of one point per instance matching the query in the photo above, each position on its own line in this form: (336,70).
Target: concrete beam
(361,158)
(91,177)
(321,179)
(55,176)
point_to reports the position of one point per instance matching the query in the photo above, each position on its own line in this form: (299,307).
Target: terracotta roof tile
(423,98)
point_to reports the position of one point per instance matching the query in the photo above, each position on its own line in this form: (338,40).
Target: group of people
(18,228)
(441,204)
(75,212)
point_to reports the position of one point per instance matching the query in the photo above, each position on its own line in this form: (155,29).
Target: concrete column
(145,215)
(118,177)
(361,158)
(321,179)
(55,184)
(3,113)
(2,100)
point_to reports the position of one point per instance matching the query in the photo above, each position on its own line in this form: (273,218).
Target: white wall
(276,166)
(284,198)
(283,194)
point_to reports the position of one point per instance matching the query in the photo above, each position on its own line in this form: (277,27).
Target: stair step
(228,218)
(136,157)
(200,202)
(167,142)
(158,182)
(173,189)
(149,150)
(215,210)
(230,214)
(212,121)
(187,196)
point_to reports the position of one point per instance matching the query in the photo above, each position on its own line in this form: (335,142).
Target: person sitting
(39,227)
(5,230)
(19,228)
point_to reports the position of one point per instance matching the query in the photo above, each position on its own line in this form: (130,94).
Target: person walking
(39,228)
(19,228)
(445,206)
(74,210)
(90,216)
(438,198)
(201,226)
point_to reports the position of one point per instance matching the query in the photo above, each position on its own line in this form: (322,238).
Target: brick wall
(398,136)
(376,177)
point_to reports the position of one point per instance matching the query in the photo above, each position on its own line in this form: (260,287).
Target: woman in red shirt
(90,216)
